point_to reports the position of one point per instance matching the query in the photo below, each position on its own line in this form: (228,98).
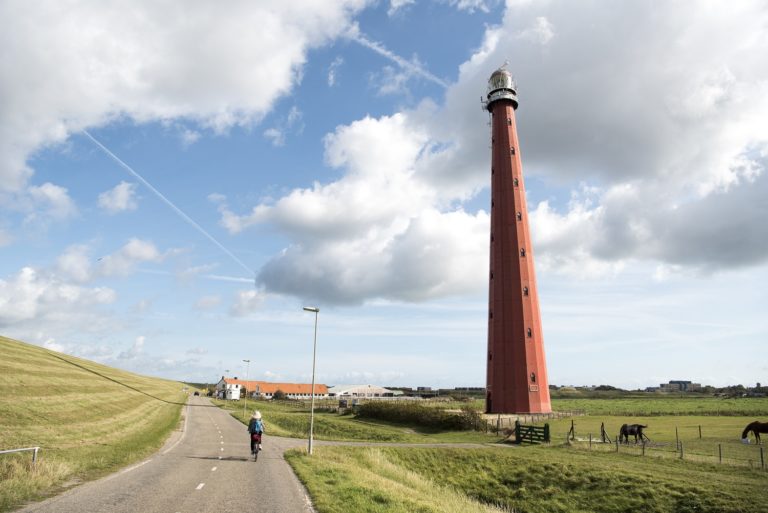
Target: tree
(279,395)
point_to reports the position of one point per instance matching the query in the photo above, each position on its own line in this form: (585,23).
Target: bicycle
(256,438)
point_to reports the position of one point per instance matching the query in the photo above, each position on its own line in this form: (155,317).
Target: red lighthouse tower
(517,371)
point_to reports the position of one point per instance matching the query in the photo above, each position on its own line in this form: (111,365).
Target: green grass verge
(532,480)
(88,419)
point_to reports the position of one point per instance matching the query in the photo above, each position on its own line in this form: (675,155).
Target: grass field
(559,477)
(654,405)
(88,419)
(529,479)
(292,420)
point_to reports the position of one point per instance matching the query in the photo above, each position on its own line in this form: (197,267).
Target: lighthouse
(516,379)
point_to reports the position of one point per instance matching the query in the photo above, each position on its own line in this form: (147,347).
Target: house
(233,388)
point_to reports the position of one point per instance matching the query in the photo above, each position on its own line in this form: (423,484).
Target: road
(205,469)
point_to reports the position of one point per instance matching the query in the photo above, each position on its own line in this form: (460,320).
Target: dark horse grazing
(631,429)
(756,427)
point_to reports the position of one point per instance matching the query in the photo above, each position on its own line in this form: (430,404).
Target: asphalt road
(207,468)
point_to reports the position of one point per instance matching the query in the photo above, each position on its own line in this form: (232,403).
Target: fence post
(590,441)
(546,433)
(720,452)
(498,424)
(681,450)
(677,439)
(762,459)
(34,455)
(699,431)
(643,447)
(518,439)
(617,444)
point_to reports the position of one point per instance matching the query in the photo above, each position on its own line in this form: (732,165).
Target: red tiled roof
(265,387)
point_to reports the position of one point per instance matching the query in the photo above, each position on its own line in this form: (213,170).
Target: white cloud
(396,6)
(124,260)
(247,302)
(35,295)
(290,124)
(135,351)
(75,263)
(119,199)
(75,66)
(333,70)
(50,201)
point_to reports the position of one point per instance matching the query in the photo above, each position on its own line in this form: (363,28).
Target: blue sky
(338,155)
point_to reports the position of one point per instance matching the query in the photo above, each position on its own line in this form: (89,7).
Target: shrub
(416,414)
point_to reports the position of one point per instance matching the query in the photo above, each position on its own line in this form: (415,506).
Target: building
(361,391)
(679,386)
(233,388)
(516,368)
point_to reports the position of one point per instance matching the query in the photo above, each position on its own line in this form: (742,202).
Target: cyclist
(255,429)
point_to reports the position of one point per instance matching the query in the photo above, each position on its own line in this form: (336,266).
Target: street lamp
(247,366)
(314,352)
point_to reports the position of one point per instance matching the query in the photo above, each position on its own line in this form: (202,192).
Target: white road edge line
(200,486)
(183,433)
(135,466)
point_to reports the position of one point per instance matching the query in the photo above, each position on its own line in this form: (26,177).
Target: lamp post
(247,366)
(314,353)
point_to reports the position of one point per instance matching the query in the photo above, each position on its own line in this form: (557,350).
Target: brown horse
(756,427)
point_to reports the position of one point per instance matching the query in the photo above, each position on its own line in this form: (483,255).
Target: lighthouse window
(512,150)
(525,291)
(530,333)
(522,252)
(490,355)
(509,121)
(491,274)
(490,315)
(533,377)
(514,181)
(492,171)
(491,203)
(519,216)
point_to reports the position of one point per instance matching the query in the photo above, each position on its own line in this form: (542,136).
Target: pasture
(88,419)
(559,477)
(291,419)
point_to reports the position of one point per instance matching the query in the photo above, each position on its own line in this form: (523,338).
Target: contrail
(168,202)
(379,48)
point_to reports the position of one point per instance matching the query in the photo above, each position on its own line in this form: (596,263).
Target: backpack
(257,426)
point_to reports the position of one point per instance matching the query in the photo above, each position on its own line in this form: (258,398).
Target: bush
(412,413)
(279,395)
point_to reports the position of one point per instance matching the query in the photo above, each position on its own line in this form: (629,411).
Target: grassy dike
(88,419)
(525,480)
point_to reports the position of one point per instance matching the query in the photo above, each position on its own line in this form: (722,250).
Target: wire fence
(698,450)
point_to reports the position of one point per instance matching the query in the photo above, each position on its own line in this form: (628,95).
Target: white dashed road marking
(200,486)
(214,469)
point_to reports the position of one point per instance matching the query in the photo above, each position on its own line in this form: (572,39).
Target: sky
(178,179)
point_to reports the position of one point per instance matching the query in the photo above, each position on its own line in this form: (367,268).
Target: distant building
(361,391)
(679,386)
